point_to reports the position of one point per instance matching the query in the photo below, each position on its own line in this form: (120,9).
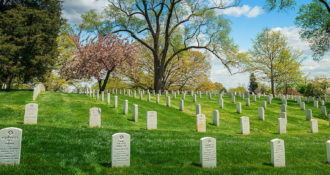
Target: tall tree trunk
(104,85)
(158,76)
(8,81)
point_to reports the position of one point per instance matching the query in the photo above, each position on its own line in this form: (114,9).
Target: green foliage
(239,89)
(319,87)
(28,32)
(301,88)
(253,83)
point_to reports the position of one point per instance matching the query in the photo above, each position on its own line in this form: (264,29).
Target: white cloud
(72,9)
(315,68)
(245,10)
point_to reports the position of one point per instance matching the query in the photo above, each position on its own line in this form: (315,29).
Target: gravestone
(95,117)
(247,101)
(120,150)
(245,125)
(314,126)
(194,98)
(254,98)
(328,151)
(302,105)
(269,99)
(208,152)
(151,120)
(198,109)
(97,95)
(316,104)
(261,113)
(210,96)
(102,96)
(168,101)
(281,126)
(238,107)
(181,105)
(283,107)
(324,110)
(277,152)
(135,113)
(233,99)
(10,145)
(174,95)
(200,123)
(221,102)
(322,102)
(141,95)
(148,97)
(183,96)
(125,107)
(157,98)
(31,113)
(93,93)
(264,104)
(309,114)
(134,94)
(216,120)
(115,103)
(108,98)
(283,115)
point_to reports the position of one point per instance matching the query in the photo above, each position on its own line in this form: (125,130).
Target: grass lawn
(62,142)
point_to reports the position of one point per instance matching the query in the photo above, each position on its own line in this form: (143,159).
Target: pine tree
(253,83)
(28,32)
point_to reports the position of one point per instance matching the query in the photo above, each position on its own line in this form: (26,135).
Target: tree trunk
(102,88)
(8,81)
(159,73)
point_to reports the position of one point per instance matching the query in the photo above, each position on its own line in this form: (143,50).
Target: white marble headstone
(151,120)
(10,145)
(238,107)
(198,109)
(216,120)
(328,151)
(281,126)
(135,113)
(277,152)
(181,105)
(125,107)
(261,113)
(120,150)
(208,152)
(314,126)
(245,125)
(31,113)
(95,117)
(200,123)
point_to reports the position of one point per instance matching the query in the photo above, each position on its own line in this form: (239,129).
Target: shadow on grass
(106,164)
(267,164)
(20,123)
(196,164)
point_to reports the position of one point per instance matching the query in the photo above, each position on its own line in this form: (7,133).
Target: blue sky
(246,22)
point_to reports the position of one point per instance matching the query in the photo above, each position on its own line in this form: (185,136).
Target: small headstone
(210,96)
(181,105)
(277,152)
(125,107)
(208,152)
(281,126)
(168,101)
(269,99)
(324,110)
(102,96)
(261,113)
(97,95)
(238,107)
(302,105)
(31,113)
(316,104)
(198,109)
(247,102)
(148,97)
(135,113)
(328,151)
(115,103)
(200,123)
(174,95)
(283,107)
(264,104)
(309,114)
(245,125)
(221,102)
(194,98)
(283,115)
(233,99)
(151,120)
(183,96)
(141,95)
(10,145)
(216,120)
(120,150)
(108,98)
(254,98)
(157,98)
(95,117)
(314,126)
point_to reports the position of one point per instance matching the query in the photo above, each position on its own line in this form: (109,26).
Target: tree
(28,32)
(313,21)
(253,83)
(271,57)
(97,57)
(174,26)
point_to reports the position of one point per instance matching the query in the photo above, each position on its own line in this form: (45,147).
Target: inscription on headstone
(245,125)
(200,123)
(31,113)
(95,117)
(208,152)
(151,120)
(120,150)
(10,145)
(277,152)
(216,120)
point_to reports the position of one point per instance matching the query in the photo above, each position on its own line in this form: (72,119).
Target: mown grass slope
(62,142)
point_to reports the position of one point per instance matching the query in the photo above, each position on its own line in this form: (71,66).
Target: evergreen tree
(253,83)
(28,32)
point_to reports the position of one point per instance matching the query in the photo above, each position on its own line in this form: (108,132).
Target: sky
(247,21)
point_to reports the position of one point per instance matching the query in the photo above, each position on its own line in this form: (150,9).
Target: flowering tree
(97,57)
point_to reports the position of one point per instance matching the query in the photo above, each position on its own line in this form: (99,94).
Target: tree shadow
(267,164)
(106,164)
(20,123)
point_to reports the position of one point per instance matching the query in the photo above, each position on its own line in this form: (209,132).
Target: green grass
(62,142)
